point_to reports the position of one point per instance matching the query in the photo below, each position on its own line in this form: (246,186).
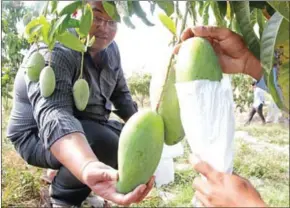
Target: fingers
(149,187)
(200,166)
(138,194)
(204,168)
(201,186)
(107,190)
(208,32)
(176,49)
(218,33)
(187,33)
(203,199)
(134,196)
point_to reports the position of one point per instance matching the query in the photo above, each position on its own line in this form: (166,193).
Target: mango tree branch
(169,66)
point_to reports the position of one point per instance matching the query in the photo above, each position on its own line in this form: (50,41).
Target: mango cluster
(143,136)
(37,72)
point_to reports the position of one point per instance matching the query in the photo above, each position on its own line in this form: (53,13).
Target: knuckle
(242,184)
(211,29)
(210,199)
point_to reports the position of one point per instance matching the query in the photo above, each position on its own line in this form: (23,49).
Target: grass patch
(267,170)
(271,133)
(275,193)
(266,164)
(181,190)
(20,182)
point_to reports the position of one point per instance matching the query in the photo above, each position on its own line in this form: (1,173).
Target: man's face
(103,28)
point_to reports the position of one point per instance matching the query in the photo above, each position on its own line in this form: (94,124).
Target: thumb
(214,32)
(176,49)
(202,167)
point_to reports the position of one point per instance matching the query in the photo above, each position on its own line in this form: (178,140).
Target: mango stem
(82,66)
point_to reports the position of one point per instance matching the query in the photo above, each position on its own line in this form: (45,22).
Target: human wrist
(73,151)
(253,66)
(85,170)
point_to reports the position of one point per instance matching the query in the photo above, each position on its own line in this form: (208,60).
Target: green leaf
(230,14)
(128,22)
(166,6)
(35,29)
(253,17)
(191,6)
(168,23)
(45,28)
(45,9)
(235,26)
(268,41)
(71,8)
(130,7)
(86,21)
(53,5)
(258,4)
(205,15)
(283,81)
(261,22)
(222,6)
(242,12)
(283,7)
(152,7)
(73,23)
(71,41)
(200,8)
(273,90)
(91,42)
(56,25)
(140,13)
(30,25)
(275,36)
(219,19)
(64,25)
(111,10)
(123,10)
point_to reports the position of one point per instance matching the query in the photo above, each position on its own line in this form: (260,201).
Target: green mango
(140,148)
(197,60)
(168,105)
(34,65)
(81,94)
(47,81)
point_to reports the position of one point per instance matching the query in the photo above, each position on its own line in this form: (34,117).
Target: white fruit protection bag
(207,116)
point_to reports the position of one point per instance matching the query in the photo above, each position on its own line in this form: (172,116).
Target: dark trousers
(259,110)
(103,138)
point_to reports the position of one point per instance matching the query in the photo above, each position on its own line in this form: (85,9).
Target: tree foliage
(139,84)
(12,44)
(270,18)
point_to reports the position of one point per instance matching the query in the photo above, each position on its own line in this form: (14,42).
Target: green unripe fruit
(168,105)
(34,66)
(47,81)
(140,148)
(197,60)
(81,94)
